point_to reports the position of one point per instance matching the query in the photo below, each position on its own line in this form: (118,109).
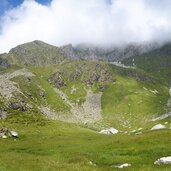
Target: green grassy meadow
(50,145)
(127,104)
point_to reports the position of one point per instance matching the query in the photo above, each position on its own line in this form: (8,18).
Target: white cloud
(86,21)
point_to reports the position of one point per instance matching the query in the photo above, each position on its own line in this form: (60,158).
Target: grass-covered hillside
(35,53)
(156,62)
(87,93)
(45,145)
(58,106)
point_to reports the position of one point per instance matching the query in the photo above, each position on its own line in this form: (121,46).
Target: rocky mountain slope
(3,61)
(113,53)
(43,80)
(84,114)
(35,53)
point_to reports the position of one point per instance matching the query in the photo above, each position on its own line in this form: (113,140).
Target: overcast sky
(99,22)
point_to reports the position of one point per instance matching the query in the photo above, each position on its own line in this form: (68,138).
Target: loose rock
(163,160)
(14,134)
(109,131)
(6,133)
(122,166)
(159,126)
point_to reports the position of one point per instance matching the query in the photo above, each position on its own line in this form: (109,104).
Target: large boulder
(109,131)
(158,126)
(163,160)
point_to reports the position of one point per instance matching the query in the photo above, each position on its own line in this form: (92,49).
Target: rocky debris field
(88,112)
(8,87)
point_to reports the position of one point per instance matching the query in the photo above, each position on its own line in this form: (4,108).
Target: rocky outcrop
(57,79)
(13,97)
(88,72)
(20,105)
(3,61)
(8,87)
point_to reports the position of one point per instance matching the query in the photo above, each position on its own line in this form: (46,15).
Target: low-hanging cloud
(99,22)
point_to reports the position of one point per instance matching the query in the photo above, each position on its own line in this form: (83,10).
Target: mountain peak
(36,53)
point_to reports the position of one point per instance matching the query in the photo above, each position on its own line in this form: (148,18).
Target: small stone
(138,133)
(14,134)
(91,163)
(4,136)
(133,131)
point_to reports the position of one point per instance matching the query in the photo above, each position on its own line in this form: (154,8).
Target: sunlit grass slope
(46,145)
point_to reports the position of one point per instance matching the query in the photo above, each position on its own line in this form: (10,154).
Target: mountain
(35,53)
(70,88)
(84,92)
(60,104)
(113,53)
(156,62)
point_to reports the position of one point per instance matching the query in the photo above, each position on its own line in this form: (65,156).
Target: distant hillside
(156,62)
(41,54)
(113,53)
(35,53)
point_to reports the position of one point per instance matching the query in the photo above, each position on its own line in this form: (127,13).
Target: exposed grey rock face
(11,93)
(57,79)
(4,62)
(18,105)
(8,87)
(70,51)
(112,53)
